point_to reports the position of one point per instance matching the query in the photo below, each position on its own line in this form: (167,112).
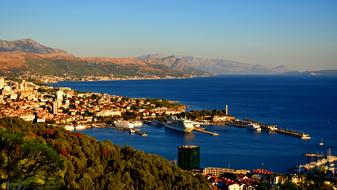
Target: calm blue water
(301,103)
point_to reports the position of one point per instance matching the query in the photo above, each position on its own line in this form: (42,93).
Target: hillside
(28,57)
(47,157)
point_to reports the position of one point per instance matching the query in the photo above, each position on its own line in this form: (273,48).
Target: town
(45,104)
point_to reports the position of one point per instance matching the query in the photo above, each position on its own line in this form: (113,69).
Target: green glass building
(189,157)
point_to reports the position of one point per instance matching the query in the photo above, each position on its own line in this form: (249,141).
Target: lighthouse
(226,109)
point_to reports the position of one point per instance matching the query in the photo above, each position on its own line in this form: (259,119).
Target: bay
(303,103)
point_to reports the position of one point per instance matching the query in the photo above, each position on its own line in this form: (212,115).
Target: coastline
(124,79)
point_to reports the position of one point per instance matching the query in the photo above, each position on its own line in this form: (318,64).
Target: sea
(301,103)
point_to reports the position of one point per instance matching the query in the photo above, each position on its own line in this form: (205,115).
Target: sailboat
(321,143)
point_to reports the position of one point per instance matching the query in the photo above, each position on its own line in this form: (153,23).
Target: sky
(300,34)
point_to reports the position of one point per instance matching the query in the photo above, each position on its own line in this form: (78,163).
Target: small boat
(305,136)
(131,131)
(137,123)
(256,127)
(321,143)
(272,128)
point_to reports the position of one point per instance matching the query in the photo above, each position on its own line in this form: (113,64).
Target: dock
(314,155)
(269,128)
(202,130)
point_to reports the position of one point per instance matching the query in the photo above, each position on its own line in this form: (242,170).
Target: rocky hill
(27,45)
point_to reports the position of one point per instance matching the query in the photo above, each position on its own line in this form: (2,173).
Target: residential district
(67,107)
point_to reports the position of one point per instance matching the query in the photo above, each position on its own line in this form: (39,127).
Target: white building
(107,113)
(55,107)
(59,95)
(2,82)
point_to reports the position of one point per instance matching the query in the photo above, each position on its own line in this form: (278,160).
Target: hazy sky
(301,34)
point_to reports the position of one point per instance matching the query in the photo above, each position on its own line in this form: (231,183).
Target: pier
(136,131)
(269,128)
(314,155)
(202,130)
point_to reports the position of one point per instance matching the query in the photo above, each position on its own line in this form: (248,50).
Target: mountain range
(27,56)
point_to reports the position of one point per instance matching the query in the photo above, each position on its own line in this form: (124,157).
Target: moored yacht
(256,127)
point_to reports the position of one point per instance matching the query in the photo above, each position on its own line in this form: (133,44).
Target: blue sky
(301,34)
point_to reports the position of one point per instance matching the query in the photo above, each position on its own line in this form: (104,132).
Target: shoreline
(128,79)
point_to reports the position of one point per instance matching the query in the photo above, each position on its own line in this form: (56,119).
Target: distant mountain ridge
(213,66)
(27,45)
(29,57)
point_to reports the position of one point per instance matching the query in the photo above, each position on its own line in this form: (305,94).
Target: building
(59,95)
(108,113)
(2,82)
(189,157)
(217,171)
(55,107)
(222,118)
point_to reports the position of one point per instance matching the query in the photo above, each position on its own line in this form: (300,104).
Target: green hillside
(36,156)
(82,68)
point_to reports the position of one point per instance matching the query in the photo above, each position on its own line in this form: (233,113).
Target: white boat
(183,125)
(305,136)
(80,127)
(69,127)
(137,123)
(131,131)
(256,127)
(321,143)
(196,124)
(124,124)
(272,128)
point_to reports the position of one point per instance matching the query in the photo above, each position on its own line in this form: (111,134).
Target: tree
(23,160)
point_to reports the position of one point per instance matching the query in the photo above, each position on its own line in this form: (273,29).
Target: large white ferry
(183,125)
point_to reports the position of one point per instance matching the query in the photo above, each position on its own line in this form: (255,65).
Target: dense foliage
(61,159)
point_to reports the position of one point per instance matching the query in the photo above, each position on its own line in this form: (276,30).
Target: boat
(156,123)
(131,131)
(321,143)
(305,136)
(179,124)
(124,124)
(196,124)
(254,126)
(80,127)
(137,123)
(272,128)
